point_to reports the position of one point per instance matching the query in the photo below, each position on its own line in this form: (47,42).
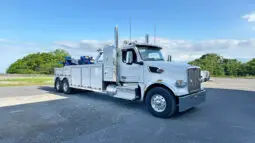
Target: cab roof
(148,45)
(128,46)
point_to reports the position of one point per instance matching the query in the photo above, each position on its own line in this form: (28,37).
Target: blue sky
(186,28)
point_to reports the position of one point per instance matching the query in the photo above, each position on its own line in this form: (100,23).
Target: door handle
(123,77)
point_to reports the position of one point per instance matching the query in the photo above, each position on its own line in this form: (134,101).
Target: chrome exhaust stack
(116,37)
(116,60)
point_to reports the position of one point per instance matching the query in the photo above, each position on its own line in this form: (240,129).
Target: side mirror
(129,57)
(139,63)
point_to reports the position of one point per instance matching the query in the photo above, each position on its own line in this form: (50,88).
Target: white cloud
(67,44)
(188,50)
(181,50)
(81,48)
(249,17)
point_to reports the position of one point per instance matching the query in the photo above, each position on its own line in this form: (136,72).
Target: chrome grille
(194,83)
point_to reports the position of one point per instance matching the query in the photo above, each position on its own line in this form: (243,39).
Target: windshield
(149,53)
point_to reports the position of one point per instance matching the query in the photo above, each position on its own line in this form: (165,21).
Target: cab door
(130,70)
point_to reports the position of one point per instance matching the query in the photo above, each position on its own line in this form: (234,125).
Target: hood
(173,70)
(166,65)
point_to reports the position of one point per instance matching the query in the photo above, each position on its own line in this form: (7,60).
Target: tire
(161,102)
(66,88)
(58,85)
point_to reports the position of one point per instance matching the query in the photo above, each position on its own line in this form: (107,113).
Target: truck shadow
(85,94)
(136,105)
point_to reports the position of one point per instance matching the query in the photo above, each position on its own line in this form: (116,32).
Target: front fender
(170,85)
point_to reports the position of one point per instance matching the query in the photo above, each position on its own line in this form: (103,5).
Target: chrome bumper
(191,100)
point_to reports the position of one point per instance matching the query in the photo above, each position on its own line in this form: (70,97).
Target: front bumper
(191,100)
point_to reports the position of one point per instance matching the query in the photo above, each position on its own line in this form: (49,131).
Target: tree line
(38,63)
(219,66)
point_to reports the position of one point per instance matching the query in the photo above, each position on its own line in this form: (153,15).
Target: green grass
(25,81)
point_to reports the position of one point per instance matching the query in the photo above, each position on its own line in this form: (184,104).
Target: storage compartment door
(76,76)
(96,77)
(85,77)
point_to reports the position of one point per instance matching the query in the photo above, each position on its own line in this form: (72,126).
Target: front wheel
(161,102)
(66,88)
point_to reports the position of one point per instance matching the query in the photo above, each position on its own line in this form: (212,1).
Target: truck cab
(144,64)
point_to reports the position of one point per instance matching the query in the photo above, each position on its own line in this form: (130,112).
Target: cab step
(127,92)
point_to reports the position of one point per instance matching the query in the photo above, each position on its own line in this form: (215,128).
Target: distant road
(232,83)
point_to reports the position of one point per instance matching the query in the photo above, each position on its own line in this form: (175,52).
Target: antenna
(130,29)
(154,33)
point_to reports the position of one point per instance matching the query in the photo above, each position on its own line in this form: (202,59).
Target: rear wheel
(58,85)
(66,88)
(161,102)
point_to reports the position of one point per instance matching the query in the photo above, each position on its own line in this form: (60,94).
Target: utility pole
(154,34)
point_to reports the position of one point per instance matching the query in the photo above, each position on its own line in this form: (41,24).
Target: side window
(134,56)
(124,54)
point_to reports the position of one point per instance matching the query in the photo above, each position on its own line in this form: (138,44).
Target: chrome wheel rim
(158,103)
(65,86)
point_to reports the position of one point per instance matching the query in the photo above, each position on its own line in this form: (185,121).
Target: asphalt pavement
(228,116)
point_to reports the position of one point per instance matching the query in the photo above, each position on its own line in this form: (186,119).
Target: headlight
(180,83)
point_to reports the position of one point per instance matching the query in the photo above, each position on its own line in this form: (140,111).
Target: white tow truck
(137,72)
